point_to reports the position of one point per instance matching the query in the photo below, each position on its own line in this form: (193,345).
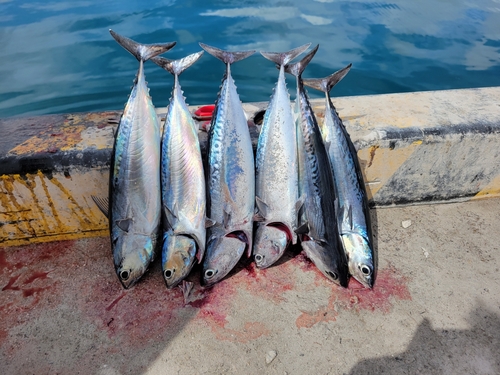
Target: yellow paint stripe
(491,190)
(35,207)
(55,237)
(379,164)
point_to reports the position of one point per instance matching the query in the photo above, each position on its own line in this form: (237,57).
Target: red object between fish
(205,112)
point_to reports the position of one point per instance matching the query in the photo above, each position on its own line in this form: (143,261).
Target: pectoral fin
(102,204)
(124,224)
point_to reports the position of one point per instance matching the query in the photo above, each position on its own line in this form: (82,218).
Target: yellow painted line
(35,207)
(379,164)
(489,191)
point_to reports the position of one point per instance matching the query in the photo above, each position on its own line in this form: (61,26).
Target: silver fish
(231,178)
(321,242)
(276,175)
(134,187)
(354,213)
(182,182)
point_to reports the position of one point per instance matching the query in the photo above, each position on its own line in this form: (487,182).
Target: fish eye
(333,275)
(365,269)
(210,273)
(124,275)
(169,273)
(259,258)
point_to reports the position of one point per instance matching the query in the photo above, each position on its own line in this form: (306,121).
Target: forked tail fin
(297,68)
(141,51)
(327,83)
(283,58)
(225,56)
(176,67)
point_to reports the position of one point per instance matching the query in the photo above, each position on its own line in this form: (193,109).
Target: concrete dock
(431,163)
(435,308)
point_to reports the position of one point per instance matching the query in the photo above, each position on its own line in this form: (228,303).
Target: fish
(231,178)
(276,174)
(320,235)
(133,206)
(182,182)
(353,211)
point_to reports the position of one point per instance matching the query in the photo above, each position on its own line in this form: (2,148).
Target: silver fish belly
(135,186)
(231,180)
(354,215)
(322,244)
(182,184)
(276,179)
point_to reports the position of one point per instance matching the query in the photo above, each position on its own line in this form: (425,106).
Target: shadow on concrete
(445,351)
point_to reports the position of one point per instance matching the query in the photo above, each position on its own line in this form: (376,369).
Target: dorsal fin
(225,56)
(141,51)
(176,67)
(283,58)
(327,83)
(297,68)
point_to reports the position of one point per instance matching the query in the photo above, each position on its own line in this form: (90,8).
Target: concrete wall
(413,148)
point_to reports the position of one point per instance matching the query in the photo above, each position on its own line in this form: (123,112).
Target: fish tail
(176,67)
(225,56)
(142,52)
(327,83)
(283,58)
(297,68)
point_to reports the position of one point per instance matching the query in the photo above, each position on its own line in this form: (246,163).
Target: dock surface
(435,308)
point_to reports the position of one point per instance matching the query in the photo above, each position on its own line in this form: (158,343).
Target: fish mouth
(270,243)
(222,255)
(328,266)
(178,258)
(126,277)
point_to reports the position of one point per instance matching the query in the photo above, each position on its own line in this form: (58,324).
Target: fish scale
(231,178)
(183,184)
(353,215)
(322,244)
(276,171)
(134,188)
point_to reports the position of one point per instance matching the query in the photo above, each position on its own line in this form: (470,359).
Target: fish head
(320,254)
(360,258)
(178,257)
(269,245)
(222,254)
(132,254)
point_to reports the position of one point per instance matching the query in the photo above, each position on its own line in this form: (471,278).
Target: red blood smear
(10,286)
(34,276)
(82,276)
(115,302)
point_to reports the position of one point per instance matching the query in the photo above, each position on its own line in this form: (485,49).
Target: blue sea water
(58,56)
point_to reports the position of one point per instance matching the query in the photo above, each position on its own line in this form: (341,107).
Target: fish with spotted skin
(182,182)
(320,235)
(134,188)
(353,210)
(276,175)
(231,178)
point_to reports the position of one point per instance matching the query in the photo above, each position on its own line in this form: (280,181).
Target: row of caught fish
(305,182)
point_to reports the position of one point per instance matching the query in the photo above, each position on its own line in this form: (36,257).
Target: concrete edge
(414,148)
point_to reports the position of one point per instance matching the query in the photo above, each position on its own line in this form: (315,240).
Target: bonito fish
(354,214)
(182,182)
(231,178)
(321,242)
(276,175)
(134,186)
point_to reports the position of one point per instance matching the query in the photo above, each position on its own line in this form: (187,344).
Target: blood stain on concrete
(390,285)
